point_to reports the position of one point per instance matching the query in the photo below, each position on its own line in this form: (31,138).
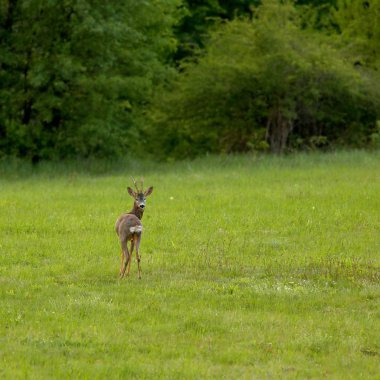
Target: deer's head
(140,195)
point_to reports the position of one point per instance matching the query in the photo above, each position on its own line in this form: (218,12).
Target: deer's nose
(142,205)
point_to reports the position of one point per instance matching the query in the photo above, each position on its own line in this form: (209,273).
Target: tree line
(172,78)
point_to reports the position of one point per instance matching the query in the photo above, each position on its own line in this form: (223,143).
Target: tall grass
(253,267)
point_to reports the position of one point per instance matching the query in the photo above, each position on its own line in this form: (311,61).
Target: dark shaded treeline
(179,78)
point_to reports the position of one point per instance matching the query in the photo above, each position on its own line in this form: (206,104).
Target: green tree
(74,74)
(260,81)
(201,16)
(359,24)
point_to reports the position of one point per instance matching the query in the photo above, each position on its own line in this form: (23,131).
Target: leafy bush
(259,81)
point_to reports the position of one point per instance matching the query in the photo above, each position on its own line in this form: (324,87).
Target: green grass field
(253,267)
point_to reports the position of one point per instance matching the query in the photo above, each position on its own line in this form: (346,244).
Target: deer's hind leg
(121,262)
(137,239)
(126,256)
(130,257)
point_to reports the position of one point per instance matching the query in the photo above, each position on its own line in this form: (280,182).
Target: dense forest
(174,79)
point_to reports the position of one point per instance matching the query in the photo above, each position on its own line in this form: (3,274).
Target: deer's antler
(134,182)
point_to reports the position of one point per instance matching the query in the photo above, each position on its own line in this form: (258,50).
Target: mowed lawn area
(252,267)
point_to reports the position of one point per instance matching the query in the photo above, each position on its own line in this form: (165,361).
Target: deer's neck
(137,211)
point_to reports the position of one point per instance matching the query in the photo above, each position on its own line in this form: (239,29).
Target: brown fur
(129,228)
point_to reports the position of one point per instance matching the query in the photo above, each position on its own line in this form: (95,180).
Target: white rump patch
(136,229)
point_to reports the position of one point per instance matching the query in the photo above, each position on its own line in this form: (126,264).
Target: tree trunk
(278,129)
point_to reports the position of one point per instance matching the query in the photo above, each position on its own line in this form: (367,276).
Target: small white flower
(171,198)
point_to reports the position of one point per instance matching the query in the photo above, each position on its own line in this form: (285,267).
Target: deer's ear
(131,192)
(149,191)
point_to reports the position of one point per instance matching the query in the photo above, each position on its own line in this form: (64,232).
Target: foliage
(260,80)
(359,24)
(199,17)
(78,77)
(73,73)
(278,276)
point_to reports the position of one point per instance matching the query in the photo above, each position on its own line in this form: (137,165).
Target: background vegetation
(252,268)
(173,78)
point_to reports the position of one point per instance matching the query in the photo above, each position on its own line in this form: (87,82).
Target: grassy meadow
(252,267)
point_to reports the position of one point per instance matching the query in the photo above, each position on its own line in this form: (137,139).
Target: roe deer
(129,228)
